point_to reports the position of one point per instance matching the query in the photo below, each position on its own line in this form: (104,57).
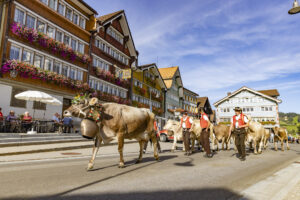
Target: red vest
(187,122)
(240,120)
(155,125)
(203,122)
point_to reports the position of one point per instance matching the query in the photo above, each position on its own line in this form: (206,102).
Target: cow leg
(174,144)
(275,144)
(282,147)
(255,146)
(261,143)
(120,149)
(155,142)
(141,142)
(287,145)
(223,141)
(96,147)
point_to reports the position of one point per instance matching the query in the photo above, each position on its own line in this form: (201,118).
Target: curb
(60,149)
(14,144)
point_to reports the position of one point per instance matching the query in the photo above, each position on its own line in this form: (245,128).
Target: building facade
(149,89)
(174,95)
(113,51)
(203,103)
(190,101)
(45,47)
(262,106)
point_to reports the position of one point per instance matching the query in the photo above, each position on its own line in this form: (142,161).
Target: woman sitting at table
(27,121)
(11,119)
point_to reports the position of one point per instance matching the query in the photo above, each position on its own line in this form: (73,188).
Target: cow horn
(93,101)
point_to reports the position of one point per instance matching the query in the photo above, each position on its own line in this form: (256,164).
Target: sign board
(126,73)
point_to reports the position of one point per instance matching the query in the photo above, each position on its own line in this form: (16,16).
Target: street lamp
(295,9)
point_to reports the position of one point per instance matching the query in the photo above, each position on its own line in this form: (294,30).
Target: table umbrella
(32,95)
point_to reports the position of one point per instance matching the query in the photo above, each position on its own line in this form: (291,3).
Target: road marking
(275,187)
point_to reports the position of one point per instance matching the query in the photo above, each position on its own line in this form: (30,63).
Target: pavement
(62,175)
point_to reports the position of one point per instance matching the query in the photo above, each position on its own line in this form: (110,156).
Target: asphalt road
(174,177)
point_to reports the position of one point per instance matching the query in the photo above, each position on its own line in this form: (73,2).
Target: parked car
(163,136)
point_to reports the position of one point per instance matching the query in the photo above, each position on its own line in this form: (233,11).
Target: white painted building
(262,106)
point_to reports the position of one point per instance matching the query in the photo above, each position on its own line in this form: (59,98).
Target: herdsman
(239,122)
(205,124)
(186,123)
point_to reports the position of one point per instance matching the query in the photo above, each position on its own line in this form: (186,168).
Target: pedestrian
(1,115)
(156,134)
(67,124)
(239,122)
(204,137)
(186,123)
(57,124)
(27,121)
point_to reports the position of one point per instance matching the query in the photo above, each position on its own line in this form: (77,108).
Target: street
(63,175)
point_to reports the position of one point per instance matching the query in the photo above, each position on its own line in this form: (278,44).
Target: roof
(88,6)
(272,92)
(153,66)
(168,83)
(201,101)
(251,90)
(107,17)
(191,91)
(168,73)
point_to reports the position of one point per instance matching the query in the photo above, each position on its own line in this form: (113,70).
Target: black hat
(238,109)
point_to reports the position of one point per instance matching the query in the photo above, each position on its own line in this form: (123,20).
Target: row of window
(66,11)
(191,109)
(34,22)
(44,62)
(246,100)
(140,84)
(248,109)
(115,34)
(111,51)
(190,99)
(256,119)
(173,97)
(145,101)
(169,106)
(149,75)
(100,63)
(107,88)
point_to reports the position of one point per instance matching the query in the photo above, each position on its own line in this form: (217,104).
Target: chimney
(228,93)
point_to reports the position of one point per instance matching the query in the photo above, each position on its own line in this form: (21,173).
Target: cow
(173,128)
(117,121)
(255,135)
(280,134)
(266,138)
(220,133)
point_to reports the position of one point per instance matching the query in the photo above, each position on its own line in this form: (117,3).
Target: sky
(219,46)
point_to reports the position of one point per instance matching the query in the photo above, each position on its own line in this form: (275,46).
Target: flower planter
(56,47)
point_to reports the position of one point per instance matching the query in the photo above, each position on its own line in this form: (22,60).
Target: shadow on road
(186,164)
(205,193)
(162,158)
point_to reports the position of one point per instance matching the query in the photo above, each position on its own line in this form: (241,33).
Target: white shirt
(237,118)
(183,121)
(205,117)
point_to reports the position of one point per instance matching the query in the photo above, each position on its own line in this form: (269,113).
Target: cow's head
(172,127)
(78,109)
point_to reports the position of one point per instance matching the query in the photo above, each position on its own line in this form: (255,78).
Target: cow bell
(89,128)
(295,9)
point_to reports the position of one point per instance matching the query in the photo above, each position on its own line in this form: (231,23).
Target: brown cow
(280,134)
(121,122)
(220,133)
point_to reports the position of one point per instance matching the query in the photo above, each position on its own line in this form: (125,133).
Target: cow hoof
(282,149)
(255,153)
(259,152)
(90,166)
(276,149)
(172,150)
(157,158)
(121,165)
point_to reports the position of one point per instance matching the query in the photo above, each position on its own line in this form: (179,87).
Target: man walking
(186,123)
(239,122)
(204,137)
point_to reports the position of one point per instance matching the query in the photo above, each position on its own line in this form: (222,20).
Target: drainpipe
(90,54)
(7,27)
(165,102)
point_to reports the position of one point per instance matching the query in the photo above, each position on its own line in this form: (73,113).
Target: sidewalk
(30,149)
(284,184)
